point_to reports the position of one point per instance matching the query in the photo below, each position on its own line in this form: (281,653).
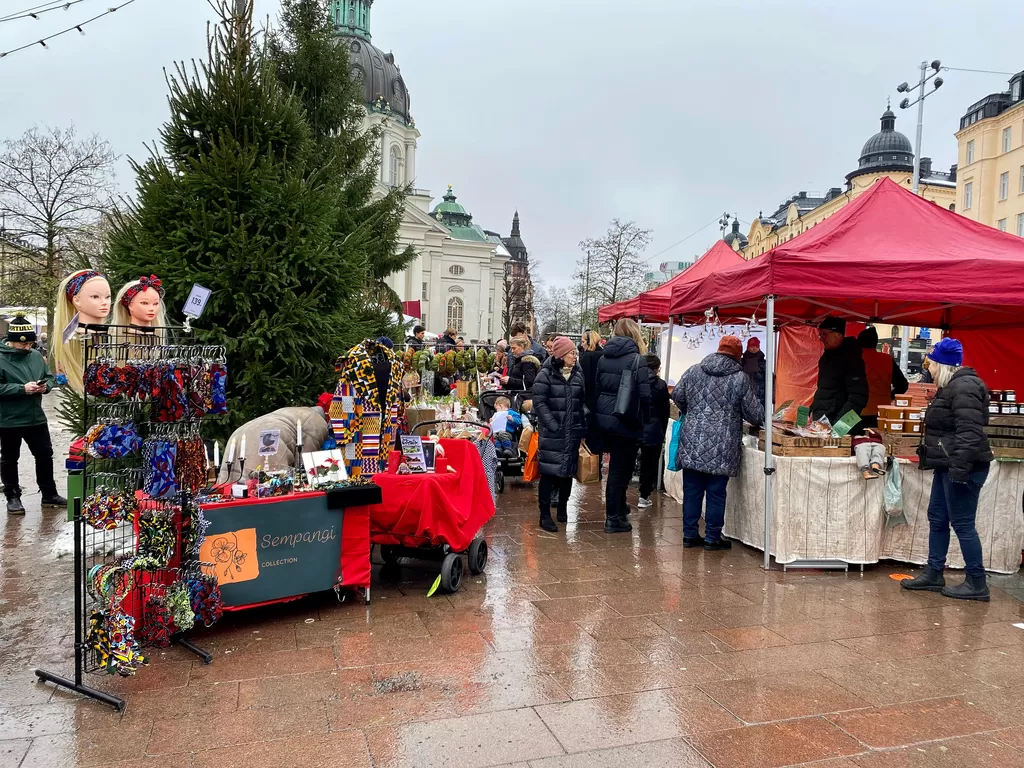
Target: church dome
(887,150)
(735,236)
(384,89)
(458,221)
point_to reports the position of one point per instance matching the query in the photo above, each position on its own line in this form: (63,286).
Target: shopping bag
(525,438)
(588,469)
(673,445)
(531,470)
(892,496)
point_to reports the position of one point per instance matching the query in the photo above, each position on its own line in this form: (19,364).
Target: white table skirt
(823,509)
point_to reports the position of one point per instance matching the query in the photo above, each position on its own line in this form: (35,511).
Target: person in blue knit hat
(956,447)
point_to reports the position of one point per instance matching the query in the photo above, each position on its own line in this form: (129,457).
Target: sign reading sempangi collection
(273,549)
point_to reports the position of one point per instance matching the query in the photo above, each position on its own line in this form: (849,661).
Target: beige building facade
(990,184)
(886,154)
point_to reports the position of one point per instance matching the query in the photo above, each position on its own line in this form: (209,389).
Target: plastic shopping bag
(531,470)
(893,496)
(673,445)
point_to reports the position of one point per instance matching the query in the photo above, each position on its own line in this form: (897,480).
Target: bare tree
(554,311)
(612,267)
(518,296)
(54,188)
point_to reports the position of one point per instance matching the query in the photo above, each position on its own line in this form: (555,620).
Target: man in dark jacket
(842,383)
(956,446)
(535,347)
(714,397)
(558,413)
(654,434)
(24,379)
(592,353)
(416,340)
(754,364)
(621,434)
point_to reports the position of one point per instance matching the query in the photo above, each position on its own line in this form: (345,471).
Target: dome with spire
(384,89)
(736,239)
(458,221)
(887,150)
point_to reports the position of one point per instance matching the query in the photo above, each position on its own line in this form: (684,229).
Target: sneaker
(56,501)
(696,541)
(14,506)
(717,546)
(617,526)
(644,503)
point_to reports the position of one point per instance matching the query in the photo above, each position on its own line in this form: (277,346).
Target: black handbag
(627,401)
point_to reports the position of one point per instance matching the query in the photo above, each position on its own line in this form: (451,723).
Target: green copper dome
(457,219)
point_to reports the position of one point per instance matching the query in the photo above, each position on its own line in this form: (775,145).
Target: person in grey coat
(558,412)
(714,397)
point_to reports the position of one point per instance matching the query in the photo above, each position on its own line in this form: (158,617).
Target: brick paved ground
(575,650)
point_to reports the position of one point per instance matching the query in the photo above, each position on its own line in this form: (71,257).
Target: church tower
(518,283)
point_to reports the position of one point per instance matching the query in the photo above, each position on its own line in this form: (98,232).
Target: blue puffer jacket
(716,397)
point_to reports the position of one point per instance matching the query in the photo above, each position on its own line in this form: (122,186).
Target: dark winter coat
(715,396)
(558,413)
(588,363)
(754,365)
(523,372)
(654,430)
(18,367)
(620,354)
(954,427)
(413,343)
(446,343)
(842,382)
(537,350)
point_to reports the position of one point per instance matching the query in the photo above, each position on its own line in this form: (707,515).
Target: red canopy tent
(887,256)
(652,306)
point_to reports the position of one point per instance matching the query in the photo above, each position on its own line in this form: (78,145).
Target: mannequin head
(140,303)
(87,294)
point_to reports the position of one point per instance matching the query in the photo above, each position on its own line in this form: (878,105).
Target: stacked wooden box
(1006,436)
(791,445)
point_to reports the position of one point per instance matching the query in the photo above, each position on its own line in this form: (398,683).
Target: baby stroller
(510,459)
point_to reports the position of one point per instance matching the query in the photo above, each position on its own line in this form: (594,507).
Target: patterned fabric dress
(362,431)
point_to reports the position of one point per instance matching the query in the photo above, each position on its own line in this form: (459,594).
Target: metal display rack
(132,565)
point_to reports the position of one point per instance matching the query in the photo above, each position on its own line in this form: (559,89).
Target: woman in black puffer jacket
(956,447)
(558,413)
(621,435)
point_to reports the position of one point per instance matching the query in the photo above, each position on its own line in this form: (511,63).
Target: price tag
(196,301)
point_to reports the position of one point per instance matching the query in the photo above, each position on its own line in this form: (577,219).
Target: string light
(79,27)
(36,11)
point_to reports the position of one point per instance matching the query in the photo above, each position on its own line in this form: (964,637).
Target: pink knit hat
(561,346)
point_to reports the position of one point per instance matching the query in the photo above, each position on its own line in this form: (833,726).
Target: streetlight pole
(906,104)
(586,295)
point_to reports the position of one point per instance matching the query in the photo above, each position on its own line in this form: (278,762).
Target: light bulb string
(75,27)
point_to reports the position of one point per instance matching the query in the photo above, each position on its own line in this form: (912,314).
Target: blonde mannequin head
(85,293)
(140,303)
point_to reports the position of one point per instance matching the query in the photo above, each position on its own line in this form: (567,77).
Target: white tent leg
(904,348)
(769,410)
(665,371)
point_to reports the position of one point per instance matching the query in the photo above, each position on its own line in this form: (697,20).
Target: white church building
(457,278)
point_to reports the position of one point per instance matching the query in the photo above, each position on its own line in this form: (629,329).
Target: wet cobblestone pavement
(574,650)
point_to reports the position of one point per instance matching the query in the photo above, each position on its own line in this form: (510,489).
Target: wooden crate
(792,441)
(1008,453)
(833,452)
(901,445)
(1005,442)
(995,430)
(1005,421)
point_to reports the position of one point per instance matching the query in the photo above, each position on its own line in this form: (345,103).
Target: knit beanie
(731,346)
(753,343)
(20,329)
(561,346)
(948,352)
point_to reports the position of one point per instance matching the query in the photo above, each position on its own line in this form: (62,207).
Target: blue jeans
(697,486)
(956,505)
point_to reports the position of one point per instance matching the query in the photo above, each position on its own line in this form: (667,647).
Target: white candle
(231,451)
(298,430)
(241,452)
(216,454)
(207,452)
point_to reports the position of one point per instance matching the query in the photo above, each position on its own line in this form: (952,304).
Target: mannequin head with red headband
(140,303)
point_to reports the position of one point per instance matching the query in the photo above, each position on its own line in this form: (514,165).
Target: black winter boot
(546,522)
(617,525)
(928,580)
(14,506)
(562,515)
(973,588)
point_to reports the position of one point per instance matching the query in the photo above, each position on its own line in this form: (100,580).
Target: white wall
(683,357)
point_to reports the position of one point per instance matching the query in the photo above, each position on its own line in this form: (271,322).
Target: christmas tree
(236,199)
(310,62)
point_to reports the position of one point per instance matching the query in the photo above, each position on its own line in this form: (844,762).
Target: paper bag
(588,470)
(524,440)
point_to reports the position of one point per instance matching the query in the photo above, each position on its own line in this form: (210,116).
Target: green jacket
(17,368)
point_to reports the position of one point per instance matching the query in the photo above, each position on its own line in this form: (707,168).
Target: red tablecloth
(434,508)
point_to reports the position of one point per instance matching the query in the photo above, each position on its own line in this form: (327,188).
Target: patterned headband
(144,282)
(75,283)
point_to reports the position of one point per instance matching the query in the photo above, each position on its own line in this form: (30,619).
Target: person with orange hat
(714,398)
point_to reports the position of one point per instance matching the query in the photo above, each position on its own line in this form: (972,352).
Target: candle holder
(241,469)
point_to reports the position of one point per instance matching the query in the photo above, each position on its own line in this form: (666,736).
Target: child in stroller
(501,409)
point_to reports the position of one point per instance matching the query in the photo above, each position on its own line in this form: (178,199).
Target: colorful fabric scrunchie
(160,479)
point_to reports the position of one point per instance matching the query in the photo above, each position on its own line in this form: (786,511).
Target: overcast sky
(668,112)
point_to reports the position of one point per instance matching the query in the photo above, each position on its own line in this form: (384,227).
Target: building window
(489,326)
(1020,224)
(968,195)
(1001,225)
(457,270)
(490,304)
(455,314)
(970,151)
(396,165)
(423,293)
(1015,90)
(1022,179)
(1007,138)
(1004,185)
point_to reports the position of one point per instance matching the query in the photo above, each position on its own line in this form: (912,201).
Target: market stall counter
(281,548)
